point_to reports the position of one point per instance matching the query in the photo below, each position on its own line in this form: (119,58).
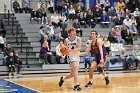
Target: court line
(23,85)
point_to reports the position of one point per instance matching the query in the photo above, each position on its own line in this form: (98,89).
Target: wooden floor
(120,83)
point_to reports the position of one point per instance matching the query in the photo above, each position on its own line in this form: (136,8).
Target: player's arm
(100,43)
(78,47)
(86,51)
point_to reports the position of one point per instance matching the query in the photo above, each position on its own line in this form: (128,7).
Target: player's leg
(91,73)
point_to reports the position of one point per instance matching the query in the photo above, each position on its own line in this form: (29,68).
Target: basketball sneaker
(107,80)
(61,81)
(89,84)
(77,87)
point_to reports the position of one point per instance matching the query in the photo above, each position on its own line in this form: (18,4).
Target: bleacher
(27,38)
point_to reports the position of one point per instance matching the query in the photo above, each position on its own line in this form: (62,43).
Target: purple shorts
(97,59)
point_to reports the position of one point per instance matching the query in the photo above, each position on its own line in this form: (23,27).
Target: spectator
(55,19)
(35,16)
(81,19)
(16,7)
(76,25)
(97,14)
(45,53)
(120,6)
(18,62)
(133,20)
(112,15)
(6,53)
(111,35)
(104,19)
(51,33)
(87,62)
(72,13)
(63,21)
(66,10)
(80,3)
(118,20)
(133,31)
(118,35)
(136,55)
(107,5)
(106,43)
(90,19)
(59,5)
(59,55)
(42,14)
(136,13)
(126,35)
(11,63)
(2,44)
(50,6)
(26,6)
(127,21)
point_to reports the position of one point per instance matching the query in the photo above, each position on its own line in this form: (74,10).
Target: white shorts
(73,58)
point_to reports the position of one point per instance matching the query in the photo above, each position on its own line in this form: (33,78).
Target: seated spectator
(106,43)
(97,14)
(6,53)
(136,13)
(107,5)
(51,33)
(104,19)
(45,38)
(76,25)
(11,63)
(118,35)
(120,6)
(66,11)
(16,7)
(112,15)
(59,5)
(45,53)
(55,19)
(35,16)
(42,13)
(118,20)
(2,29)
(63,21)
(90,19)
(125,33)
(136,55)
(59,56)
(50,6)
(127,21)
(25,6)
(2,44)
(72,13)
(80,3)
(81,19)
(133,20)
(133,31)
(111,36)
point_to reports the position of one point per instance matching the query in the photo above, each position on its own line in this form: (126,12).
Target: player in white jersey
(74,44)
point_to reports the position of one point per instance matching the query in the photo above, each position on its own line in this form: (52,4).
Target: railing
(8,17)
(17,33)
(13,26)
(27,54)
(21,42)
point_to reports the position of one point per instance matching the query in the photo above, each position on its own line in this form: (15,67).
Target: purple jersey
(96,52)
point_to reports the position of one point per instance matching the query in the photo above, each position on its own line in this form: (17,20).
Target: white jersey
(72,44)
(72,57)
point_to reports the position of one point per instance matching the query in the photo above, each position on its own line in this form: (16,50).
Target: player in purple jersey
(98,50)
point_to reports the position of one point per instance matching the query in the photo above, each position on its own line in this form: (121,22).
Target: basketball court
(121,82)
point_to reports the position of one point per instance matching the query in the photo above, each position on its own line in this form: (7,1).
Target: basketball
(64,50)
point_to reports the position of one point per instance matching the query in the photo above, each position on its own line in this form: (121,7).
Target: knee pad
(100,69)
